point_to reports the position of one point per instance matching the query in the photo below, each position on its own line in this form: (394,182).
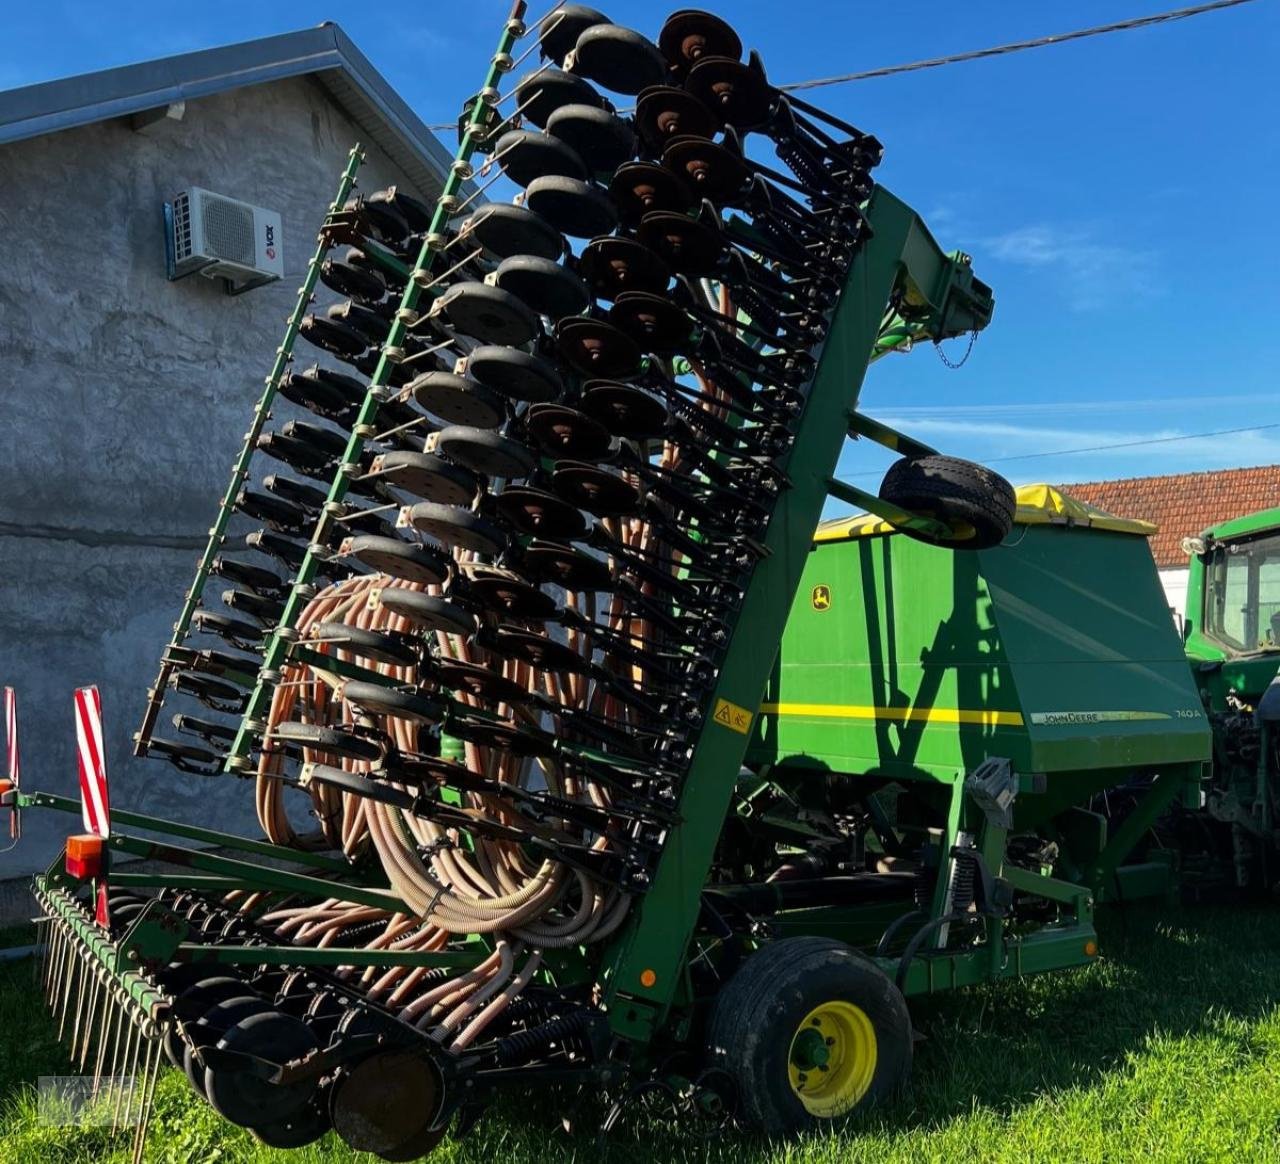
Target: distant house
(1182,505)
(128,395)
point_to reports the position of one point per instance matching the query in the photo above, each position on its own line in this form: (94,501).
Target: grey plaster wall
(125,401)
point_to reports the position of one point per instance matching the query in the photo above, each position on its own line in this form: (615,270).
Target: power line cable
(1191,436)
(1019,45)
(996,50)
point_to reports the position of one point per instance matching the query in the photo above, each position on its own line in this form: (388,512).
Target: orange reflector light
(1091,949)
(84,856)
(648,978)
(6,787)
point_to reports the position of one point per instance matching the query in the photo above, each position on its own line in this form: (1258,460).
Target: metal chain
(954,365)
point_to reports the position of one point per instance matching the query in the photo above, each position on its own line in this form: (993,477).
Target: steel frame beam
(642,968)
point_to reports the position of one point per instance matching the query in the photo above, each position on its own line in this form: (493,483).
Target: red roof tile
(1184,503)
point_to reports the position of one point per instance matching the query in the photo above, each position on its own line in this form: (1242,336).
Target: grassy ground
(1166,1049)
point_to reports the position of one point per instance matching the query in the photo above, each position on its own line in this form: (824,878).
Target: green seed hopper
(1056,651)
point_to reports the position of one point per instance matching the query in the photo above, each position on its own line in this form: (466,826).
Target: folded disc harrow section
(521,571)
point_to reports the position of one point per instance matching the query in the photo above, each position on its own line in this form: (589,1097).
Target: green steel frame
(173,657)
(643,966)
(475,132)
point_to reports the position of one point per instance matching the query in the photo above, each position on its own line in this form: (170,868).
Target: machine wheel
(976,503)
(809,1031)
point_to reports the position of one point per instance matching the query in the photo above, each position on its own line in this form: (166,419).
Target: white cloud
(1093,273)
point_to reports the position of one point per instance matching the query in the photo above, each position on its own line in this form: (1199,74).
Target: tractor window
(1243,596)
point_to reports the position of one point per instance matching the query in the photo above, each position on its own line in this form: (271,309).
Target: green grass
(1166,1049)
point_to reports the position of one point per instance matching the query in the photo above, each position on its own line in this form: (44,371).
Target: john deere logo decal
(821,598)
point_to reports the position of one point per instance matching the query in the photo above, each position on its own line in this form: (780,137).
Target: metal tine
(110,1009)
(138,1019)
(96,989)
(83,996)
(53,943)
(52,962)
(148,1095)
(119,1054)
(72,982)
(126,1067)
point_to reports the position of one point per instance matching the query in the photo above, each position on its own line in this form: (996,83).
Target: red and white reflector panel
(94,803)
(15,764)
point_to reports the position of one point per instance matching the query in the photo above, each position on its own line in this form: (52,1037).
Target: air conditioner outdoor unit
(223,238)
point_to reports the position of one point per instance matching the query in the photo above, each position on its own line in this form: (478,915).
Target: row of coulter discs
(531,580)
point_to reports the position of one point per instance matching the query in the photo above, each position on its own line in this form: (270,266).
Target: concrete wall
(1174,581)
(126,399)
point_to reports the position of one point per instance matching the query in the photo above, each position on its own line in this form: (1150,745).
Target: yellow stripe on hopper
(987,717)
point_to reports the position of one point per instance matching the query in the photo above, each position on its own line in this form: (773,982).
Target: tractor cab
(1233,607)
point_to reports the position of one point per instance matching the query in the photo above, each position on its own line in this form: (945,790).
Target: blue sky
(1118,193)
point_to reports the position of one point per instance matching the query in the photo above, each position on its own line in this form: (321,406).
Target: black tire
(768,1006)
(975,502)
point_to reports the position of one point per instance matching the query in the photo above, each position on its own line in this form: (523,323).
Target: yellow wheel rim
(832,1059)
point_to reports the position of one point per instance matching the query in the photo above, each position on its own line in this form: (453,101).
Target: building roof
(325,53)
(1184,504)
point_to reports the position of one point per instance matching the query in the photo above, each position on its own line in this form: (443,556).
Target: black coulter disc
(191,1002)
(373,325)
(415,212)
(563,27)
(654,322)
(235,630)
(627,411)
(664,112)
(525,155)
(332,335)
(611,265)
(413,563)
(332,741)
(504,592)
(543,285)
(426,475)
(596,348)
(516,374)
(489,314)
(600,138)
(573,207)
(244,574)
(367,644)
(712,171)
(561,431)
(300,1129)
(739,94)
(688,246)
(244,1098)
(640,188)
(427,612)
(386,1104)
(377,700)
(451,525)
(274,511)
(352,281)
(540,93)
(307,496)
(486,452)
(538,650)
(618,58)
(566,566)
(597,490)
(504,230)
(541,514)
(458,400)
(482,682)
(220,1018)
(689,35)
